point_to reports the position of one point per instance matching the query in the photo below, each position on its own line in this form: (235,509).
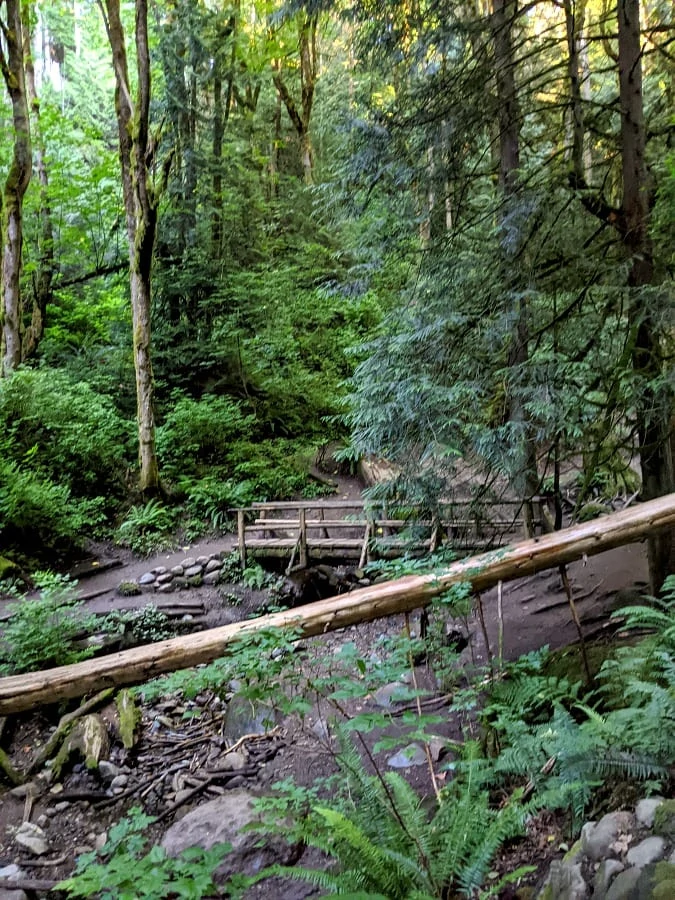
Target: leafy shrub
(210,498)
(122,870)
(198,433)
(37,514)
(387,844)
(41,630)
(146,529)
(70,435)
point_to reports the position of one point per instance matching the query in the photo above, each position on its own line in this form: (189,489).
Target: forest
(239,235)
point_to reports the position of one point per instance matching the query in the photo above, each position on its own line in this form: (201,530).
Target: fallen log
(23,692)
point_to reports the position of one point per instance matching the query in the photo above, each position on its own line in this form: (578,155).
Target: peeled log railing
(24,692)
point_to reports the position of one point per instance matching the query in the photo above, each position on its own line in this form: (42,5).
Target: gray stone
(623,886)
(212,577)
(43,821)
(11,871)
(597,837)
(412,755)
(160,570)
(647,851)
(107,770)
(180,582)
(191,571)
(182,796)
(202,560)
(32,837)
(564,882)
(213,565)
(244,717)
(165,578)
(607,869)
(195,581)
(177,570)
(146,578)
(223,820)
(234,761)
(6,894)
(119,782)
(167,588)
(100,840)
(389,694)
(645,810)
(188,563)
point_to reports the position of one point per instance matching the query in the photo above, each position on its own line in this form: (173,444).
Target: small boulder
(32,837)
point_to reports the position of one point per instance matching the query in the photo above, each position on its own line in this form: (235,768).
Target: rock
(389,694)
(213,565)
(597,838)
(42,821)
(166,578)
(11,871)
(656,882)
(412,755)
(147,578)
(664,820)
(192,571)
(237,782)
(168,588)
(119,782)
(212,577)
(32,837)
(194,581)
(100,840)
(12,895)
(182,796)
(622,888)
(646,809)
(177,570)
(648,851)
(607,869)
(234,761)
(564,882)
(160,570)
(202,560)
(128,589)
(244,717)
(180,582)
(223,820)
(188,563)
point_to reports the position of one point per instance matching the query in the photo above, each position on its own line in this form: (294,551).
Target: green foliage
(147,529)
(42,630)
(37,514)
(124,870)
(71,435)
(145,626)
(197,434)
(385,842)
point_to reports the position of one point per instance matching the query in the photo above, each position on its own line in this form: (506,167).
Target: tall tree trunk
(141,199)
(42,291)
(653,418)
(525,478)
(300,115)
(18,178)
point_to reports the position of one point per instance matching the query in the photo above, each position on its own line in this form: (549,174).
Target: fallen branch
(23,692)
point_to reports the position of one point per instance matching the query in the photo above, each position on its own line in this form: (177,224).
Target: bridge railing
(306,530)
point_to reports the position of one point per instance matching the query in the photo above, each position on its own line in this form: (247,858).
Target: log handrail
(23,692)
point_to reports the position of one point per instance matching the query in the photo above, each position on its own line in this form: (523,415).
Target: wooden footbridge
(309,531)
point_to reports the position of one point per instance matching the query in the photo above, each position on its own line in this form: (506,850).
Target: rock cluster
(624,856)
(189,573)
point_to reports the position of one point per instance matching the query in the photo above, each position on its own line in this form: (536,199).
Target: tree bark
(525,479)
(301,116)
(18,179)
(23,692)
(141,199)
(652,417)
(43,286)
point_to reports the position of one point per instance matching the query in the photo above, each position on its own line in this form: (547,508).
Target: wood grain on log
(23,692)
